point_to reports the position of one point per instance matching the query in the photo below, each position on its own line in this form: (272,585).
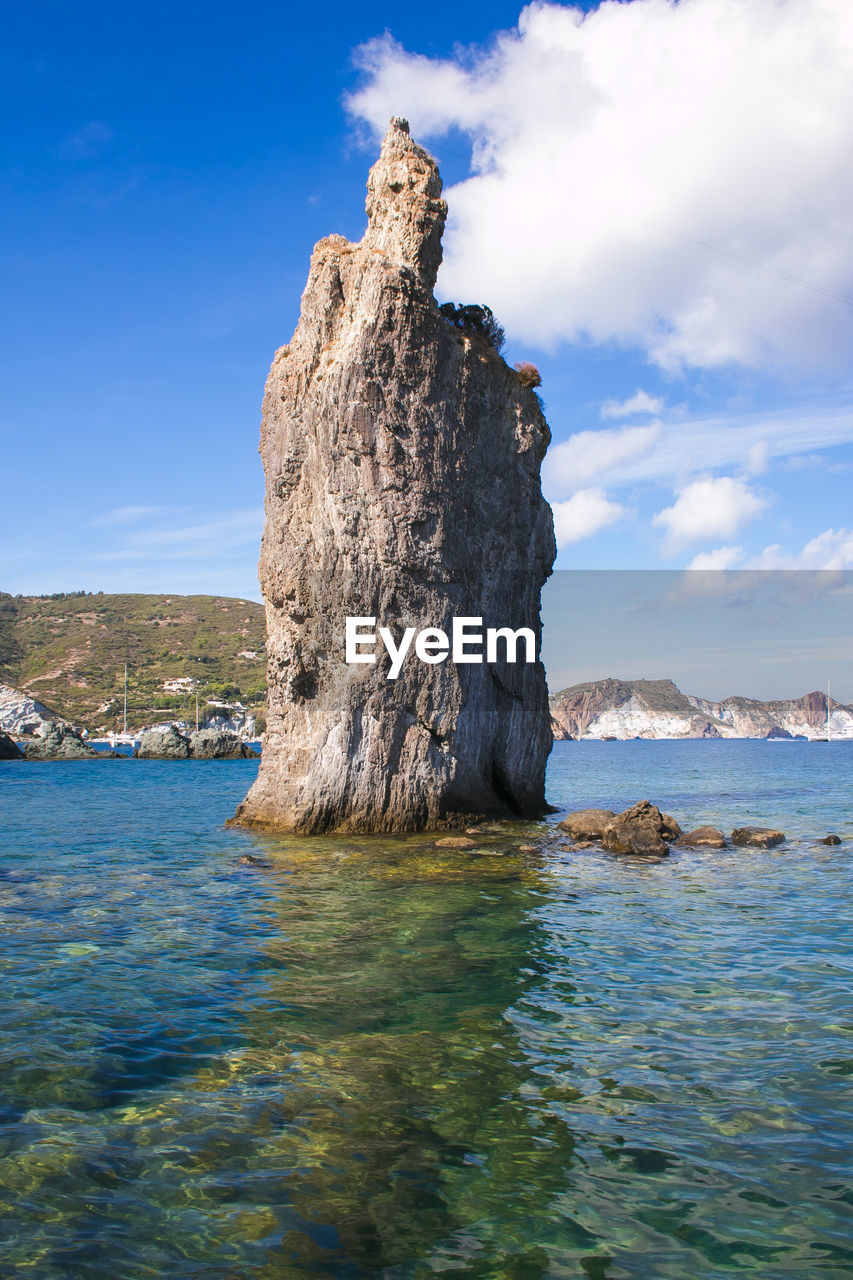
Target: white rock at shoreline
(21,715)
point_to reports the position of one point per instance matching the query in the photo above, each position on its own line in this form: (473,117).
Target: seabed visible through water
(376,1058)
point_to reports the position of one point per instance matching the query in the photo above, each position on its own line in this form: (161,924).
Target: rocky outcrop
(757,837)
(658,709)
(702,838)
(163,743)
(9,749)
(402,460)
(21,714)
(641,830)
(218,744)
(60,742)
(166,742)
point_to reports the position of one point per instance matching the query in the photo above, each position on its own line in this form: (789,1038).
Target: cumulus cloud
(590,455)
(714,507)
(639,403)
(587,512)
(832,549)
(670,176)
(720,558)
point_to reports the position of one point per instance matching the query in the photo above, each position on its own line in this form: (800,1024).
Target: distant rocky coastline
(620,709)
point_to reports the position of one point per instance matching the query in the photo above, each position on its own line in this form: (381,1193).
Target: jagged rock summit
(402,460)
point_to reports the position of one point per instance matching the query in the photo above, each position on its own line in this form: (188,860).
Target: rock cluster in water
(402,460)
(642,830)
(59,741)
(168,743)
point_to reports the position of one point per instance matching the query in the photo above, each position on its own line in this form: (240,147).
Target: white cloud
(589,455)
(720,558)
(832,549)
(708,508)
(640,402)
(584,514)
(126,515)
(631,166)
(689,445)
(207,540)
(757,458)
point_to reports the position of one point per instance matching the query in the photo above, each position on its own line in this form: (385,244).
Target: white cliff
(658,709)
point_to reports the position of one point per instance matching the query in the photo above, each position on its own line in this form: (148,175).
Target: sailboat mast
(828,705)
(125,699)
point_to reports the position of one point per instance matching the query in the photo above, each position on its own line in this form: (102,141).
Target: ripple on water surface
(373,1057)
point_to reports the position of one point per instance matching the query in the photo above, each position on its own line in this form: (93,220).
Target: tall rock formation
(402,461)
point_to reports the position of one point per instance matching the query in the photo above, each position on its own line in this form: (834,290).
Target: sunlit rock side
(658,709)
(20,714)
(402,460)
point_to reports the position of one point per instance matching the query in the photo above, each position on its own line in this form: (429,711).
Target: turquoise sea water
(375,1058)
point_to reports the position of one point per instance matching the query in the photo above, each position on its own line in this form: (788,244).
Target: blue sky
(669,243)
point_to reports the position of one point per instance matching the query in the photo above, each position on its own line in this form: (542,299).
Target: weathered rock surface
(757,837)
(9,749)
(163,743)
(59,741)
(642,830)
(587,824)
(21,714)
(218,744)
(831,839)
(402,460)
(702,838)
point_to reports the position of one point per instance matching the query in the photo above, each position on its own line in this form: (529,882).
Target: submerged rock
(9,749)
(59,741)
(831,839)
(702,838)
(164,743)
(757,837)
(587,824)
(218,744)
(455,842)
(402,459)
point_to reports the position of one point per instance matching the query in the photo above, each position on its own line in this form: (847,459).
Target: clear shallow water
(374,1058)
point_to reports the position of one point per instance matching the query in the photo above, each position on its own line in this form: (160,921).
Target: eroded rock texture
(402,462)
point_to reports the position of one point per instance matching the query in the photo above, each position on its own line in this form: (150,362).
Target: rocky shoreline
(59,741)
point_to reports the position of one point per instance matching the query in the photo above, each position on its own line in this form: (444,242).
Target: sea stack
(402,459)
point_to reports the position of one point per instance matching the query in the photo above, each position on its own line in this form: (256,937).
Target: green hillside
(69,651)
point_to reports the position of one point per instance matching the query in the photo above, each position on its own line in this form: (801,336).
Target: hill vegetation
(68,651)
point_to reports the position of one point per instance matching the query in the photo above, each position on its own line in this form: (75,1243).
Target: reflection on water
(374,1058)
